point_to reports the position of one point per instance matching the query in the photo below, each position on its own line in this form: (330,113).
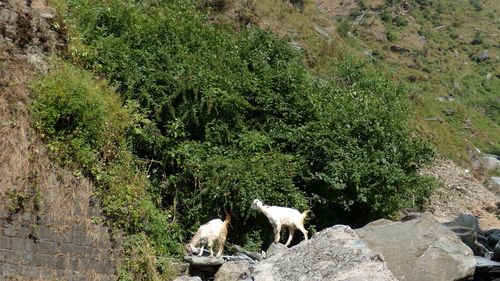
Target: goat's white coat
(213,231)
(282,216)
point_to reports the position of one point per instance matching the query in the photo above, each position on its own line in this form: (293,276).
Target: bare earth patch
(461,193)
(336,8)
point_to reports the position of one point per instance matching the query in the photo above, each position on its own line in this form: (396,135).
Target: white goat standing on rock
(213,231)
(282,216)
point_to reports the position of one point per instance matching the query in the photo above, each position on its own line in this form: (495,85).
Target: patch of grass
(16,201)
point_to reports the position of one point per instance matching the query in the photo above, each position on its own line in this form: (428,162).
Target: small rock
(321,32)
(187,278)
(483,56)
(495,181)
(398,49)
(234,271)
(46,15)
(448,112)
(239,250)
(490,162)
(296,45)
(204,261)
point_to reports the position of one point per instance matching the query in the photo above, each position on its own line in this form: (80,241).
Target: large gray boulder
(275,248)
(420,249)
(335,253)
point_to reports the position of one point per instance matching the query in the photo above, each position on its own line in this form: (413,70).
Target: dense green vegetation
(200,120)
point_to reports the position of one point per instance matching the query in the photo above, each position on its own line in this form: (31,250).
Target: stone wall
(38,251)
(50,228)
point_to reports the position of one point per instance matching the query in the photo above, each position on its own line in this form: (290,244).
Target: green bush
(343,27)
(385,15)
(141,263)
(478,39)
(391,34)
(82,118)
(477,5)
(224,118)
(400,21)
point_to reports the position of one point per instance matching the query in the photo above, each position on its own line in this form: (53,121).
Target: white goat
(213,231)
(282,216)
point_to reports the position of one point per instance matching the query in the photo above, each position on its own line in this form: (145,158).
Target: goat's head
(256,204)
(227,219)
(190,249)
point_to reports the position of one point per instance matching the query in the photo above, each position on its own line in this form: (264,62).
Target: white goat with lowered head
(282,216)
(213,231)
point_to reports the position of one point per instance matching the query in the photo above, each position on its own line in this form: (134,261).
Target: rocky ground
(461,193)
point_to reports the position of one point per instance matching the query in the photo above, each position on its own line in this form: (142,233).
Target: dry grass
(16,145)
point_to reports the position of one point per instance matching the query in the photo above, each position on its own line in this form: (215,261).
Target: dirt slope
(461,193)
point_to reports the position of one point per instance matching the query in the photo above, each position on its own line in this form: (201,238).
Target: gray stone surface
(484,262)
(275,249)
(187,278)
(335,253)
(239,250)
(234,271)
(420,249)
(490,163)
(203,261)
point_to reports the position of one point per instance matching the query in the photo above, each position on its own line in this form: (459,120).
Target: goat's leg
(304,231)
(291,230)
(211,248)
(277,229)
(221,247)
(201,251)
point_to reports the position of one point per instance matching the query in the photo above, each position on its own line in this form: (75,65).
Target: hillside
(447,50)
(134,122)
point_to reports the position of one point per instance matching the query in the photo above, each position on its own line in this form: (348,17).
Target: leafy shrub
(478,39)
(217,5)
(400,21)
(477,5)
(141,262)
(361,4)
(225,118)
(391,34)
(82,119)
(369,163)
(343,27)
(385,15)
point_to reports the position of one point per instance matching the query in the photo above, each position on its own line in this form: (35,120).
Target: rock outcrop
(420,249)
(335,253)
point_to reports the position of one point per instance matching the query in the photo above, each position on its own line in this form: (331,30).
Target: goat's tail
(304,214)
